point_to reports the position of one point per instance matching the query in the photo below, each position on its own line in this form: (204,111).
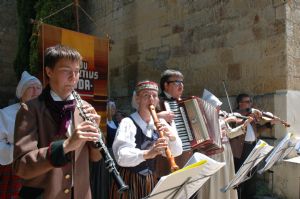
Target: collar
(55,97)
(111,124)
(147,128)
(168,95)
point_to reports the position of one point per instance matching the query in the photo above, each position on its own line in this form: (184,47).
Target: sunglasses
(177,82)
(244,102)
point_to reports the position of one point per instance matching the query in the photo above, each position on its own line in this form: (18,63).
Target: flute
(171,160)
(110,164)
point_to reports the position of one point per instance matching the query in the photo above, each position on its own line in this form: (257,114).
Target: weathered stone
(8,46)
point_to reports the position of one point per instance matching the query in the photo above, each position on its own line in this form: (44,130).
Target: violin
(238,117)
(268,115)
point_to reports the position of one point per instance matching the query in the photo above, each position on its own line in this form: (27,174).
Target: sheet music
(284,147)
(259,152)
(185,182)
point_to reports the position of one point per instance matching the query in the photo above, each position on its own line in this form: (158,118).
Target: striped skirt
(10,184)
(139,186)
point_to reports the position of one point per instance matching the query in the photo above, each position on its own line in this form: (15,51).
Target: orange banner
(92,85)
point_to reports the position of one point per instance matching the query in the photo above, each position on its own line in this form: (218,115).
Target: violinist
(242,145)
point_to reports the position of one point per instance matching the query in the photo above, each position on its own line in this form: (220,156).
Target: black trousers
(247,189)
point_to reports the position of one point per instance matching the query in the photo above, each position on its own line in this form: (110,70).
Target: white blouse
(7,127)
(124,144)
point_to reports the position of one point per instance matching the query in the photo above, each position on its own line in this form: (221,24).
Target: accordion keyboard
(181,124)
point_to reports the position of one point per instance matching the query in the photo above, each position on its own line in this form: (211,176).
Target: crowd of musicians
(46,144)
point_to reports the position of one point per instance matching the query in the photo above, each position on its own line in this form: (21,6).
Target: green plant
(42,11)
(46,12)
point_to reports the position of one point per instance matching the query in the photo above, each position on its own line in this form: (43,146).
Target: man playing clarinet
(53,145)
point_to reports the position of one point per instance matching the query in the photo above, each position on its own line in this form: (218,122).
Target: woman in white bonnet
(28,88)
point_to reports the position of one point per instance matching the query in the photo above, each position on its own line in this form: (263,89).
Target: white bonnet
(25,82)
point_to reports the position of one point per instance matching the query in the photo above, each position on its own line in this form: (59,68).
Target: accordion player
(197,124)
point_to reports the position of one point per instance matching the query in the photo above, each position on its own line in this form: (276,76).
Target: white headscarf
(133,101)
(25,82)
(211,98)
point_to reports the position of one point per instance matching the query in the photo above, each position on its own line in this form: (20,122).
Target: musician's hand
(91,113)
(166,115)
(157,149)
(167,131)
(231,119)
(256,114)
(85,131)
(248,121)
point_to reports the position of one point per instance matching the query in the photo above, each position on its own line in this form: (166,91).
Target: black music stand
(185,182)
(284,147)
(260,151)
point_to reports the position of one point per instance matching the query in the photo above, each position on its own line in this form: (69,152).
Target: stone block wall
(8,49)
(253,45)
(241,42)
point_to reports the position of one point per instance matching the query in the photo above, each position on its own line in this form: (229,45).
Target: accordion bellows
(197,124)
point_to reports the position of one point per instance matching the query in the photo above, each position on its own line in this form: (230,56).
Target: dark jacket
(39,159)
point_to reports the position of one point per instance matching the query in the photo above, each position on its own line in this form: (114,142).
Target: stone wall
(253,45)
(8,49)
(293,44)
(241,42)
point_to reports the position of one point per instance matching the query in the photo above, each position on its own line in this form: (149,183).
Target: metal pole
(76,3)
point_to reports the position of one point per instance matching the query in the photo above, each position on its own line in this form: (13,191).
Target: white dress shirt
(7,127)
(250,135)
(124,146)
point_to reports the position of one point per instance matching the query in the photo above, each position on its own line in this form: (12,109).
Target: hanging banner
(92,85)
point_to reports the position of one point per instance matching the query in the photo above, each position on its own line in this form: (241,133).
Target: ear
(166,86)
(48,71)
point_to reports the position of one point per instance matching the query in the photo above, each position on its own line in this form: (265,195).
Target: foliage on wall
(52,12)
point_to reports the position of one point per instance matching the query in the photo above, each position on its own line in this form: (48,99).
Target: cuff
(56,154)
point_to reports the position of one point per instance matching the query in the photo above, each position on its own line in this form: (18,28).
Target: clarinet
(110,164)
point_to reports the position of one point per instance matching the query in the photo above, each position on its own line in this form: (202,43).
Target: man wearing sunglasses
(171,85)
(243,145)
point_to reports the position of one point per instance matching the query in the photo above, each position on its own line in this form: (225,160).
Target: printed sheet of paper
(284,147)
(185,182)
(259,152)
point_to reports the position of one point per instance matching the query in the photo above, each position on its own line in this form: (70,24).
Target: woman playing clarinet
(137,144)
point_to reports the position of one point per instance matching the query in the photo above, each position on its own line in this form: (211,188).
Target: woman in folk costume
(211,189)
(28,88)
(137,144)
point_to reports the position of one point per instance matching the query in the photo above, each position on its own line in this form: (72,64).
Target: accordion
(197,124)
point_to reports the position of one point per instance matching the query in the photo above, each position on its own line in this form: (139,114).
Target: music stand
(284,147)
(259,152)
(185,182)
